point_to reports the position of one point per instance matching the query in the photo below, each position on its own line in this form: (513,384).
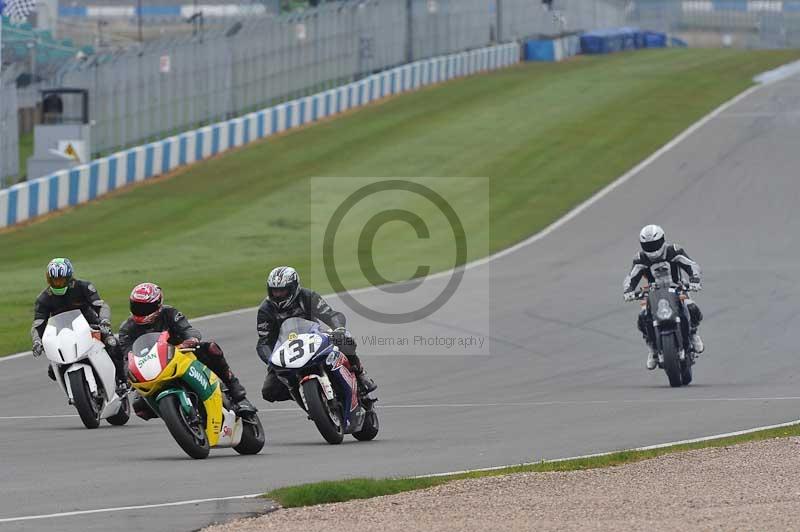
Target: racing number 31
(298,348)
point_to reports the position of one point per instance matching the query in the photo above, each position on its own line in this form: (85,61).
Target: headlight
(664,311)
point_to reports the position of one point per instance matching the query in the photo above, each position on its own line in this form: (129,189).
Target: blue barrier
(621,39)
(556,49)
(78,185)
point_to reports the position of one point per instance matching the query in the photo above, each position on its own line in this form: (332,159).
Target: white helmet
(652,241)
(283,286)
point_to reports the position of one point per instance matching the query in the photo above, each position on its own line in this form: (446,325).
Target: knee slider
(214,349)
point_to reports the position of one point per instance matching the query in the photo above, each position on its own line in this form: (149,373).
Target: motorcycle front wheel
(672,364)
(191,436)
(328,423)
(83,400)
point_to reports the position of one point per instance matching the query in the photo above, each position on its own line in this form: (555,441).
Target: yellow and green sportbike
(188,396)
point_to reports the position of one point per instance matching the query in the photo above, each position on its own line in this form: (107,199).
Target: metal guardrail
(84,183)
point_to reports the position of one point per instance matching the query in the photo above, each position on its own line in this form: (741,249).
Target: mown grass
(546,136)
(363,488)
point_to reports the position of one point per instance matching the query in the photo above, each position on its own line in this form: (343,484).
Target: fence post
(499,11)
(409,31)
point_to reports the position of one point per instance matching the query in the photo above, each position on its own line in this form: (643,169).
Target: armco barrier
(67,188)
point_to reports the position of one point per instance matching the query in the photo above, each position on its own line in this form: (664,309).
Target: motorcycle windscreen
(67,337)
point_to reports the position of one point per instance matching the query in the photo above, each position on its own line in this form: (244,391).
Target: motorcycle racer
(65,293)
(149,314)
(287,299)
(655,252)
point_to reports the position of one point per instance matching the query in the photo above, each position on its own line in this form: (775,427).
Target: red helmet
(146,301)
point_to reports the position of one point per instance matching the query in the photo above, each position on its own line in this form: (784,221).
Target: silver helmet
(652,240)
(283,286)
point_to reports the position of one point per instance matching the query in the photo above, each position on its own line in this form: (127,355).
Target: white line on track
(126,508)
(502,405)
(591,402)
(6,418)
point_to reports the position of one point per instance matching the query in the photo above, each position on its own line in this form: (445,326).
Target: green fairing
(198,377)
(186,404)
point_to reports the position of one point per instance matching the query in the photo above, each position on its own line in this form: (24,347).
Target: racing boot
(652,361)
(365,383)
(697,344)
(236,391)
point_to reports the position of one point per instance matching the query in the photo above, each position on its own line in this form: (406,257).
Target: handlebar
(641,294)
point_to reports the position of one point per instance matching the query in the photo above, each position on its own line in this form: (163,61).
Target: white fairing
(231,433)
(70,347)
(295,353)
(68,337)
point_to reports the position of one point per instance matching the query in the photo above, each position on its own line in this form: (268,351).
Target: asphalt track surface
(566,373)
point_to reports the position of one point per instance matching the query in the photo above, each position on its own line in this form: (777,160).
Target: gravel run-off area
(753,486)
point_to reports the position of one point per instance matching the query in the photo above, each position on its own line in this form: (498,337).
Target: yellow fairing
(213,405)
(176,369)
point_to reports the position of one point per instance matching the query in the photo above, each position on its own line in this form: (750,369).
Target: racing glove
(37,349)
(105,328)
(190,344)
(694,284)
(339,335)
(629,296)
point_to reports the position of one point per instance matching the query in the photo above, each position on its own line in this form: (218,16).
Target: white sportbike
(84,370)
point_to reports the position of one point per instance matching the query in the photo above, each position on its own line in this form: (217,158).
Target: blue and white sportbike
(320,379)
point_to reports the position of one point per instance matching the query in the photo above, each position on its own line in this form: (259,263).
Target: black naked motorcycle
(669,329)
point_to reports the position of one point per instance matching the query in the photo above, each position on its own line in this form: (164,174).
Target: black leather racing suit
(308,305)
(83,296)
(679,262)
(172,320)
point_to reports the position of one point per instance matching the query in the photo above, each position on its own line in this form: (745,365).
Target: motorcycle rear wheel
(191,439)
(253,437)
(370,427)
(124,414)
(83,400)
(330,428)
